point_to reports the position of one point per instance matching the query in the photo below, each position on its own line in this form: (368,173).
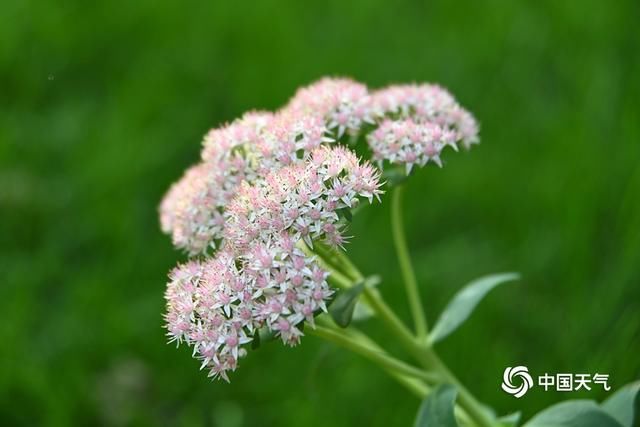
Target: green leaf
(573,413)
(341,310)
(255,342)
(394,175)
(262,336)
(511,420)
(624,405)
(362,310)
(463,303)
(437,409)
(346,214)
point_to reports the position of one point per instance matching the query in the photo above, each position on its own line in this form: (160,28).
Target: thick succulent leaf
(346,214)
(437,408)
(362,312)
(256,342)
(624,405)
(511,420)
(573,413)
(464,302)
(262,336)
(342,308)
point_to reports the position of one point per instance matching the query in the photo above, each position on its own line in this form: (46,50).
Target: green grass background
(103,104)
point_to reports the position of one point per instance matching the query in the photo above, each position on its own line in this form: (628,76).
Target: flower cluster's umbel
(343,104)
(302,200)
(217,307)
(270,185)
(417,122)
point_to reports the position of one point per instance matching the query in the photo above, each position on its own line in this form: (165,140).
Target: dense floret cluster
(268,186)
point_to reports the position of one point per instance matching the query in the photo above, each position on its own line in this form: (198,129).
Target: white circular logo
(521,374)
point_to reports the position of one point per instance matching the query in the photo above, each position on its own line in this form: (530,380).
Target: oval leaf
(437,409)
(463,303)
(573,413)
(511,420)
(624,405)
(256,342)
(342,307)
(260,336)
(362,312)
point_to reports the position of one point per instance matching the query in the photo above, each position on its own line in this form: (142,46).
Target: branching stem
(352,341)
(435,371)
(408,275)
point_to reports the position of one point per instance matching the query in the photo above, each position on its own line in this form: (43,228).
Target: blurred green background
(103,105)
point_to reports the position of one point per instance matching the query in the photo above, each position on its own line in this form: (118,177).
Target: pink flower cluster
(408,125)
(261,277)
(302,200)
(217,306)
(342,103)
(406,142)
(192,210)
(416,123)
(270,185)
(426,103)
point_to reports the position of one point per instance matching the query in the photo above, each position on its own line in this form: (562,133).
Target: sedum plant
(264,216)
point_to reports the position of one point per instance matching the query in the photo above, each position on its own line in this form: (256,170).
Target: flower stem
(472,411)
(415,380)
(427,357)
(375,301)
(388,316)
(466,400)
(336,277)
(372,298)
(356,343)
(341,260)
(415,386)
(408,275)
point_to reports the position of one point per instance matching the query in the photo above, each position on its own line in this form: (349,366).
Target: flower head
(225,143)
(303,199)
(426,103)
(290,137)
(269,187)
(205,310)
(409,143)
(191,211)
(218,305)
(342,103)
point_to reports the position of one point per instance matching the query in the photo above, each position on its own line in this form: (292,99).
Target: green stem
(375,301)
(342,261)
(466,400)
(410,377)
(417,387)
(388,316)
(419,349)
(413,384)
(332,256)
(335,276)
(355,343)
(408,275)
